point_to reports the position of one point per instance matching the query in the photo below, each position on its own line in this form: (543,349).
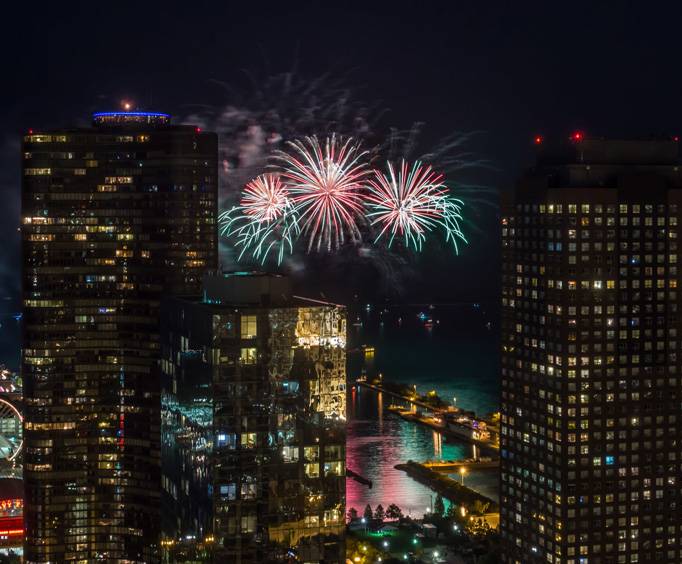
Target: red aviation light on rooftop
(197,129)
(538,139)
(577,136)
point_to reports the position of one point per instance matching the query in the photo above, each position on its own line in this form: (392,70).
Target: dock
(417,402)
(359,479)
(424,405)
(437,426)
(442,484)
(453,466)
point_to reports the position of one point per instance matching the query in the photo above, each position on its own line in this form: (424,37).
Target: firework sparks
(265,198)
(326,182)
(412,203)
(265,221)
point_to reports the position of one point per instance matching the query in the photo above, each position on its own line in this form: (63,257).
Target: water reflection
(457,357)
(376,442)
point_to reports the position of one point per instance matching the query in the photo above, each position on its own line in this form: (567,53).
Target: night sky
(510,70)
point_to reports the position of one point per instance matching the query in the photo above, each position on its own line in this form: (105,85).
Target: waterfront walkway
(424,405)
(437,423)
(447,487)
(450,466)
(417,402)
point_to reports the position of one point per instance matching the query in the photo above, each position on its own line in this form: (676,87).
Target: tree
(368,512)
(439,506)
(379,513)
(394,512)
(352,513)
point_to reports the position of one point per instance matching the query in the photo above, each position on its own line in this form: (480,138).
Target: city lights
(312,266)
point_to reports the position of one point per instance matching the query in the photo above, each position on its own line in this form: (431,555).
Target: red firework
(326,182)
(265,198)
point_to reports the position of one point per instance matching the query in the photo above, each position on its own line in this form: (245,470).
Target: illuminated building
(591,363)
(11,456)
(11,519)
(254,421)
(114,216)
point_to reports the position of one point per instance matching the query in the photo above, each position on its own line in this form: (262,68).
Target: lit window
(290,453)
(248,355)
(249,328)
(334,468)
(312,470)
(248,491)
(228,491)
(248,440)
(226,440)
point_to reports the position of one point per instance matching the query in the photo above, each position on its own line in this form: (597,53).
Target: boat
(467,428)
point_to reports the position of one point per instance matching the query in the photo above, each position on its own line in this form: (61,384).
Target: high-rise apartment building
(591,437)
(115,216)
(254,422)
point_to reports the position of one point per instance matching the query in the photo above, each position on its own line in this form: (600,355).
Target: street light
(462,472)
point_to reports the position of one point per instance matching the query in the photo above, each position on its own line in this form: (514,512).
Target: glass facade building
(115,216)
(254,415)
(591,436)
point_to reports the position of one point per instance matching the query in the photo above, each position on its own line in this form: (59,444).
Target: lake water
(450,349)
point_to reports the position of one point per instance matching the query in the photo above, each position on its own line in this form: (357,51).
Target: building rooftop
(246,288)
(629,165)
(252,288)
(580,149)
(122,118)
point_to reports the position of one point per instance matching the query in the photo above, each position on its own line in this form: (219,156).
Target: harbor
(456,359)
(450,420)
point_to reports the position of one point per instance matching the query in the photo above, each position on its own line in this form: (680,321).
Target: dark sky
(510,69)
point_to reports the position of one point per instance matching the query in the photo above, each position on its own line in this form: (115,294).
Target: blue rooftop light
(122,113)
(128,117)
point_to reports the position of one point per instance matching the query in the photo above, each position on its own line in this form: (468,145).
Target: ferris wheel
(11,436)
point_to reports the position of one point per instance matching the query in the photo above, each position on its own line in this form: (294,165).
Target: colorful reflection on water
(456,358)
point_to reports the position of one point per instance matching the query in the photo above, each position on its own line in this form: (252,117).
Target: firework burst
(326,182)
(265,198)
(265,221)
(411,203)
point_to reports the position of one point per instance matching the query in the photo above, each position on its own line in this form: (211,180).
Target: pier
(446,408)
(359,479)
(453,466)
(436,423)
(466,429)
(449,488)
(403,397)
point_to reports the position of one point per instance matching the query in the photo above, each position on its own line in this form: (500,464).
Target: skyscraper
(591,430)
(114,217)
(254,421)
